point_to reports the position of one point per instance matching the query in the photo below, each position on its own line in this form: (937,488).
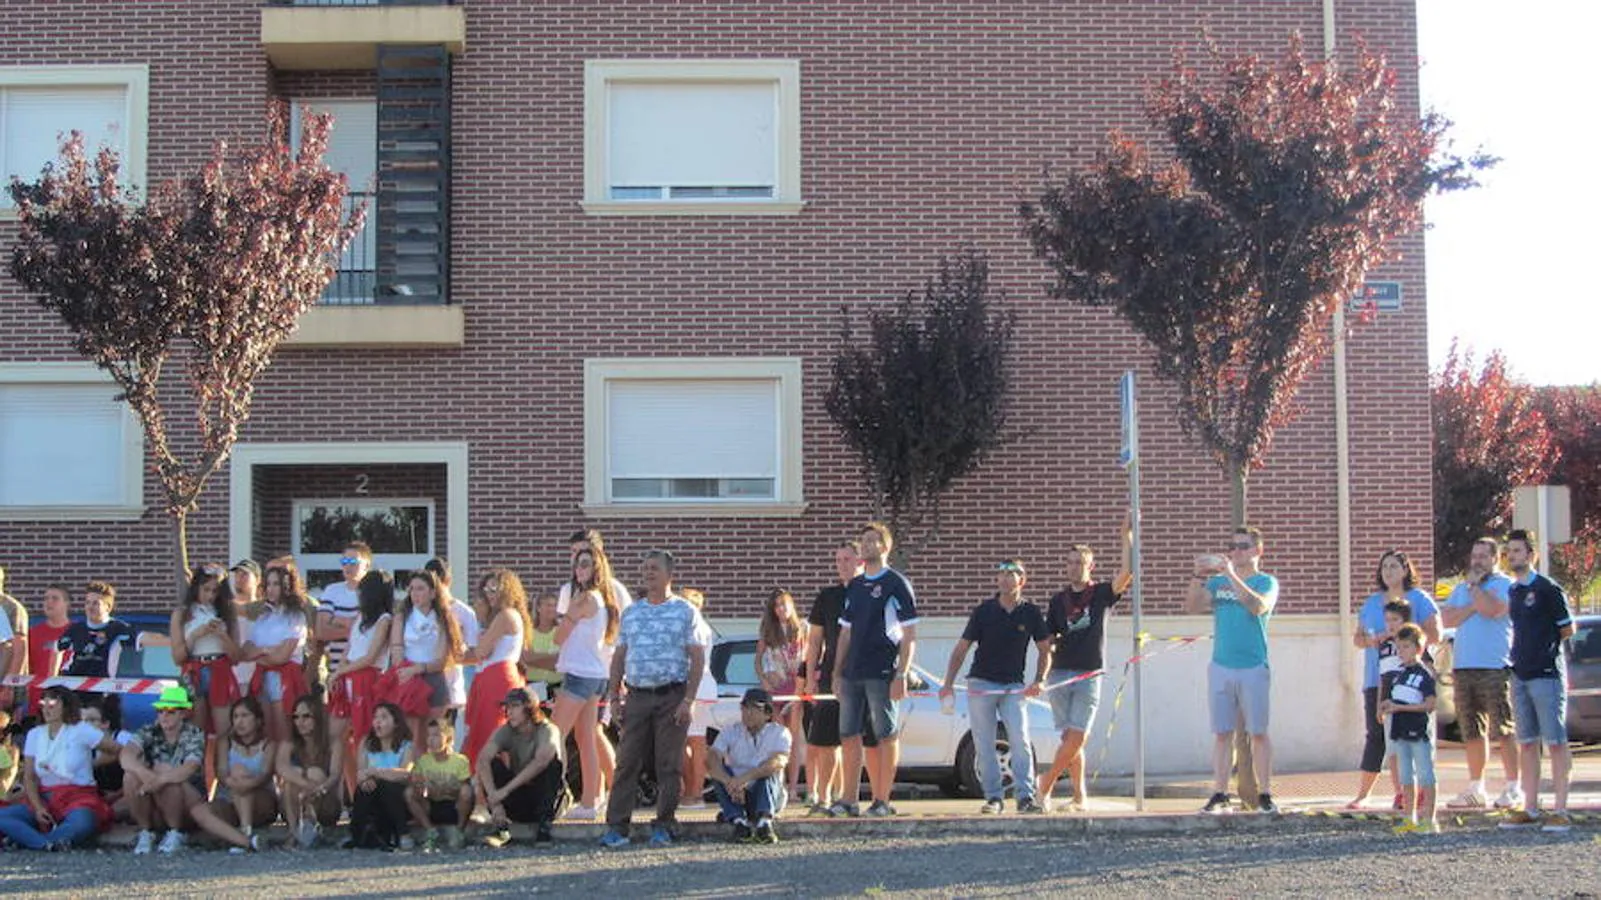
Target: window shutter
(692,428)
(61,445)
(701,134)
(38,118)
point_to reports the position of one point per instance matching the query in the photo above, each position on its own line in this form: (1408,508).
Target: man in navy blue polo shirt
(1541,621)
(878,634)
(1003,626)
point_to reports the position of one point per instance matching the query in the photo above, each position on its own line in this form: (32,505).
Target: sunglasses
(214,571)
(349,560)
(1009,567)
(490,589)
(1242,545)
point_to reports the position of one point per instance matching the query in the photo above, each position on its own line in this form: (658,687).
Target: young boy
(1396,614)
(440,793)
(1409,705)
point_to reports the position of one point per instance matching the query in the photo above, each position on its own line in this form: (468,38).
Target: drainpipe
(1342,446)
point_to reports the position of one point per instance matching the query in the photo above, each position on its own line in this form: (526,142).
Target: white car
(935,748)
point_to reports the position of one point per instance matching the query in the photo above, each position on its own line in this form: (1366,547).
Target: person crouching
(747,769)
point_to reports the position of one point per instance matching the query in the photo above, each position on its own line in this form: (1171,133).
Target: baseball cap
(758,698)
(249,565)
(518,696)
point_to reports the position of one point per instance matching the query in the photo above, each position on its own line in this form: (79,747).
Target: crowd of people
(355,701)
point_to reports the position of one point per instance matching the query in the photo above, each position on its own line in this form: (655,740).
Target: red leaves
(217,266)
(1290,180)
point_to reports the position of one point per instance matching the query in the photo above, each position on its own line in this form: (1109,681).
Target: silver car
(935,748)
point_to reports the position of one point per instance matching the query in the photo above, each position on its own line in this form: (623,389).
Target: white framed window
(692,137)
(400,533)
(40,105)
(352,152)
(692,437)
(69,449)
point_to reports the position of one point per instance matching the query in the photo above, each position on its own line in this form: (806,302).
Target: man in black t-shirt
(93,647)
(1076,619)
(1002,627)
(822,716)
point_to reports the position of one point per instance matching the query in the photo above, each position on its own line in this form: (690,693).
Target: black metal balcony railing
(356,281)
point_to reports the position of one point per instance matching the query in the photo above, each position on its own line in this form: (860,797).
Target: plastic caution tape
(92,684)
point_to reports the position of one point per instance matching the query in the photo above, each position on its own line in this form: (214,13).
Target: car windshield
(1586,645)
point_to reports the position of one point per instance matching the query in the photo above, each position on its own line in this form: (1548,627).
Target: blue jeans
(762,799)
(18,824)
(984,709)
(1415,760)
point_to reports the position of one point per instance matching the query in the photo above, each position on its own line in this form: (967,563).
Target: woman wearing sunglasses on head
(63,806)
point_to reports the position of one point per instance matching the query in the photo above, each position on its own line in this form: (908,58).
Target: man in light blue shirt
(1240,597)
(1482,673)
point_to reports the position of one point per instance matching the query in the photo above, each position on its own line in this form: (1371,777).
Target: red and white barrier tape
(87,683)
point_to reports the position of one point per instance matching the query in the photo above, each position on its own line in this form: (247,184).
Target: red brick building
(603,284)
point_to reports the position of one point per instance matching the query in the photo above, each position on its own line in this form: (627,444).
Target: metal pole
(1542,515)
(1135,597)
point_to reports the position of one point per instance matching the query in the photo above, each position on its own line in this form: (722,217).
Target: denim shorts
(1540,709)
(1073,706)
(582,688)
(1414,761)
(872,695)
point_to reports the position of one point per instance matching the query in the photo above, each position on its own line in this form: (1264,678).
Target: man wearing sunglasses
(340,603)
(1002,626)
(1240,597)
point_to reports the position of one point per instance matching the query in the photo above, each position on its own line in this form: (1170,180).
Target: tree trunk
(180,540)
(1244,770)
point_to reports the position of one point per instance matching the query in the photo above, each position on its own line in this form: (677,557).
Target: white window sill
(685,509)
(71,513)
(693,207)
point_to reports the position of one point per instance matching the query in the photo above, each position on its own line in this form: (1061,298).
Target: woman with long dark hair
(353,685)
(780,652)
(379,816)
(278,647)
(500,648)
(245,764)
(63,806)
(310,764)
(205,641)
(424,643)
(587,636)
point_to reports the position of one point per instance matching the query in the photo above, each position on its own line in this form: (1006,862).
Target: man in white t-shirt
(340,605)
(591,540)
(747,769)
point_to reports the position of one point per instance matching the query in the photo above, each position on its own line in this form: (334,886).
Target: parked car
(935,748)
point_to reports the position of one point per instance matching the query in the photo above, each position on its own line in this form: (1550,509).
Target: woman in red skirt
(277,646)
(500,647)
(205,640)
(352,687)
(424,644)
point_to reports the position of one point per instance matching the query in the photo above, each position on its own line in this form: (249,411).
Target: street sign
(1545,509)
(1380,296)
(1128,453)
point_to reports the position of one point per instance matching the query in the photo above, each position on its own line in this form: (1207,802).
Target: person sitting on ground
(8,755)
(164,768)
(244,762)
(63,807)
(521,771)
(441,792)
(309,765)
(747,769)
(106,715)
(378,815)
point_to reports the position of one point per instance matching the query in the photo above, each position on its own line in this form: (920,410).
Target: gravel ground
(1304,858)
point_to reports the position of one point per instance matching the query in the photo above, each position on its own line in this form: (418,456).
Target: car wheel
(968,781)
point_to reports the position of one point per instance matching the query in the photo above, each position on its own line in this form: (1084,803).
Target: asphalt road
(1302,858)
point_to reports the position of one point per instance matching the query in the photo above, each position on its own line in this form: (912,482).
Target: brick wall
(922,127)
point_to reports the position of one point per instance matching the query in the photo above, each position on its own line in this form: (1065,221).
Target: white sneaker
(1469,799)
(693,805)
(584,813)
(406,842)
(172,842)
(1511,798)
(146,840)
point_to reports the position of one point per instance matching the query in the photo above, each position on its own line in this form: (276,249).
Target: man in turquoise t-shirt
(1241,597)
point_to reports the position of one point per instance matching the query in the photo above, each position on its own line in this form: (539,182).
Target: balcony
(361,309)
(345,34)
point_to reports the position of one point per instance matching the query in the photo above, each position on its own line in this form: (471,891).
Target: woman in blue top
(1396,579)
(379,817)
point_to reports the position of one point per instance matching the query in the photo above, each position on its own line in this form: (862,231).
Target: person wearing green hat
(164,767)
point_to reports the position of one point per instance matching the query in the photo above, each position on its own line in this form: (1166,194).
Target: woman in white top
(424,643)
(277,646)
(587,635)
(353,684)
(63,807)
(205,640)
(499,650)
